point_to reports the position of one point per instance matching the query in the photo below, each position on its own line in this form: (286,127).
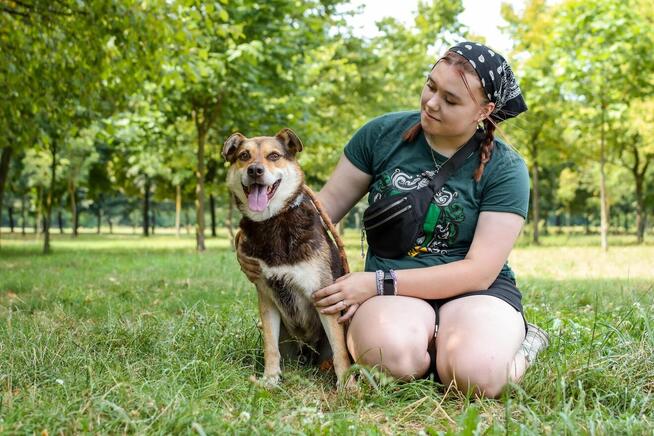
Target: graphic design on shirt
(399,181)
(441,225)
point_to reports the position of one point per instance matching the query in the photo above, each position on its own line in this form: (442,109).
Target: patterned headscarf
(497,79)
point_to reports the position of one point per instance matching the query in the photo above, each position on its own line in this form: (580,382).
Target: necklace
(433,158)
(437,167)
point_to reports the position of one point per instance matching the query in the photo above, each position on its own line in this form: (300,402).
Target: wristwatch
(389,283)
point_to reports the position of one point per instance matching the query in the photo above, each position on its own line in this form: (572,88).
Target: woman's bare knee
(477,343)
(392,333)
(485,374)
(395,353)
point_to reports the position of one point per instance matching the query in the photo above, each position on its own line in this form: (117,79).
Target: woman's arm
(495,235)
(345,187)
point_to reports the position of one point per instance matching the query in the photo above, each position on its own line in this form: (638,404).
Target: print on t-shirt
(444,215)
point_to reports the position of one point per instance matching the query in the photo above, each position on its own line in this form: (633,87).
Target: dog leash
(330,227)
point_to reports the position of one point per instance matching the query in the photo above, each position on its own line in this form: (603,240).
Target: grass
(123,334)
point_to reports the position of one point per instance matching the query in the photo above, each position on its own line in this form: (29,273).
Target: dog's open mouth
(259,195)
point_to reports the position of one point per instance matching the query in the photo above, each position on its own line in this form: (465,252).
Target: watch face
(389,284)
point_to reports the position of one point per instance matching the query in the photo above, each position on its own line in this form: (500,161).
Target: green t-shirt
(396,166)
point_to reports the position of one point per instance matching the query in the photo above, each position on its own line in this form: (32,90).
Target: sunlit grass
(125,334)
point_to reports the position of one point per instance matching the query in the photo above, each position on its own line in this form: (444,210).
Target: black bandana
(500,85)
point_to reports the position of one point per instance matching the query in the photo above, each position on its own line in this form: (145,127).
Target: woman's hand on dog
(346,294)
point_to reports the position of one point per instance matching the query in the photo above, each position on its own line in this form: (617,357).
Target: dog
(283,230)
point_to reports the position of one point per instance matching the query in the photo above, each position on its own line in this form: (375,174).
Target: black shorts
(503,288)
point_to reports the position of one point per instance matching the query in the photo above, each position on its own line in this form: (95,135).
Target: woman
(456,276)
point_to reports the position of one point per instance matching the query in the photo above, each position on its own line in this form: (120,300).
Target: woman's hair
(462,65)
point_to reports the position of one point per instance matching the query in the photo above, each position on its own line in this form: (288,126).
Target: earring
(480,123)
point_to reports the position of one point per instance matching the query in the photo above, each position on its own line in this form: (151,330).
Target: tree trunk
(73,205)
(639,177)
(60,222)
(178,208)
(78,211)
(5,158)
(50,200)
(38,213)
(111,225)
(212,207)
(10,211)
(22,214)
(146,206)
(604,202)
(187,220)
(199,175)
(98,216)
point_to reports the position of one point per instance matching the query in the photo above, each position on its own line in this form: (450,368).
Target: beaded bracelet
(394,275)
(380,281)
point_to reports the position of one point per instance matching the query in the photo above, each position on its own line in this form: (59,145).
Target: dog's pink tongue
(258,198)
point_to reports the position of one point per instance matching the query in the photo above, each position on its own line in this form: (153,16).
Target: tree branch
(13,12)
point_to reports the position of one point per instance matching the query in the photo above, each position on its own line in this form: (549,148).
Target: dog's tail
(330,226)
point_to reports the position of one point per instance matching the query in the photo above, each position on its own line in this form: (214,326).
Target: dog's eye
(244,156)
(274,156)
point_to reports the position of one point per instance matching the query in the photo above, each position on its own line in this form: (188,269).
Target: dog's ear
(288,137)
(231,145)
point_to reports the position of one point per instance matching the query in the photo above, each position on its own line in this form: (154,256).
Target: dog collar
(298,200)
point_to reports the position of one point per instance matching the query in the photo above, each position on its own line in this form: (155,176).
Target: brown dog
(282,229)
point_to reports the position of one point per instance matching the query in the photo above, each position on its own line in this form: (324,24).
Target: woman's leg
(478,344)
(394,333)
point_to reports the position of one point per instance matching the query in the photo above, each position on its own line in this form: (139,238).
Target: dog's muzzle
(255,170)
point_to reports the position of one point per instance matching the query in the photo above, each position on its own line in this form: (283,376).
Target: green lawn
(114,334)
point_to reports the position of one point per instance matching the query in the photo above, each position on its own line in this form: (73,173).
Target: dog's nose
(255,170)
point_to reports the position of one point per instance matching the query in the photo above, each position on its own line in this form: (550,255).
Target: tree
(601,61)
(78,62)
(636,148)
(79,157)
(237,58)
(538,131)
(139,140)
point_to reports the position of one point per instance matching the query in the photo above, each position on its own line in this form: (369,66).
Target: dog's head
(264,175)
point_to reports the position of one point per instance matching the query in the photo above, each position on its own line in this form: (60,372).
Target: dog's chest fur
(297,258)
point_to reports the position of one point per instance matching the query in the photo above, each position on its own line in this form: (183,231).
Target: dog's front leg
(336,335)
(270,321)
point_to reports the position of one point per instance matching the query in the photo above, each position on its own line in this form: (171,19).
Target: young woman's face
(446,107)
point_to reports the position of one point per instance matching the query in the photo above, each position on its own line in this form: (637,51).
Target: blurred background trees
(114,112)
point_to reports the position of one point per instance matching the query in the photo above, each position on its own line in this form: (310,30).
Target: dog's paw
(266,382)
(348,384)
(270,381)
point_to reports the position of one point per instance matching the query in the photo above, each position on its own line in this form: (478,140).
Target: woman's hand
(346,293)
(249,265)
